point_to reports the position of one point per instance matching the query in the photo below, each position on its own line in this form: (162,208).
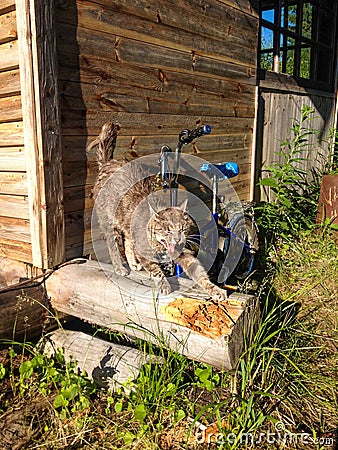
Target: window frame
(281,34)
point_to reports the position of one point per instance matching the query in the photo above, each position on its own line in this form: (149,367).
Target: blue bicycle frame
(217,172)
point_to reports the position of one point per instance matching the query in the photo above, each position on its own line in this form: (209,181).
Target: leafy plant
(294,191)
(47,375)
(206,378)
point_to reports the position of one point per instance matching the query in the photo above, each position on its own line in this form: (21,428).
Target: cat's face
(170,228)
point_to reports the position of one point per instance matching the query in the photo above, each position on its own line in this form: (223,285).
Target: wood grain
(109,365)
(95,44)
(8,27)
(7,6)
(164,26)
(9,56)
(42,135)
(10,109)
(14,183)
(21,251)
(14,206)
(9,82)
(15,229)
(11,134)
(12,159)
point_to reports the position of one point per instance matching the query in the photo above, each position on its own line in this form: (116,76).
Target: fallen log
(109,365)
(185,321)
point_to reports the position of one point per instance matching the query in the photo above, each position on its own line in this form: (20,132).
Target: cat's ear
(184,206)
(151,208)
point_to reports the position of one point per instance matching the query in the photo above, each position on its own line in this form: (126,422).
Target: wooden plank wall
(156,68)
(15,238)
(278,111)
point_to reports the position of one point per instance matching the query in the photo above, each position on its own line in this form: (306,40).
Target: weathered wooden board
(179,98)
(14,206)
(16,229)
(164,26)
(13,183)
(11,134)
(10,109)
(133,307)
(40,105)
(9,83)
(247,6)
(149,79)
(93,44)
(109,365)
(8,27)
(12,159)
(148,124)
(21,251)
(229,145)
(9,56)
(278,113)
(6,6)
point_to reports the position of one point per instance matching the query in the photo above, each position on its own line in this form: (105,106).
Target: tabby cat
(150,233)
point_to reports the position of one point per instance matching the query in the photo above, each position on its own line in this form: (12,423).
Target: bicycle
(236,242)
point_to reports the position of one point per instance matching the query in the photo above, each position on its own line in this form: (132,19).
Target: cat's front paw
(218,294)
(122,271)
(136,267)
(164,287)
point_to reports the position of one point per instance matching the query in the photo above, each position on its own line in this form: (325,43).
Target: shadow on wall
(73,127)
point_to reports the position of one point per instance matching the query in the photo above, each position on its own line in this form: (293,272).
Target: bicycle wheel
(243,238)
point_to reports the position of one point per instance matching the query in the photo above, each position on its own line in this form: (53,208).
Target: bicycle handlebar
(187,136)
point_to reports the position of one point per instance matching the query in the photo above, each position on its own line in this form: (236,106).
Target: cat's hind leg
(130,254)
(115,255)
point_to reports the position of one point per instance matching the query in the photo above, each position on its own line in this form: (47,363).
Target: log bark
(24,314)
(186,321)
(109,365)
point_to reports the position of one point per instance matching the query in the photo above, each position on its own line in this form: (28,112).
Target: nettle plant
(292,204)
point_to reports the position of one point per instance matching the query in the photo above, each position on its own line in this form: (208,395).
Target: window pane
(286,41)
(307,20)
(305,62)
(324,65)
(266,61)
(325,28)
(266,38)
(269,15)
(291,18)
(287,54)
(290,62)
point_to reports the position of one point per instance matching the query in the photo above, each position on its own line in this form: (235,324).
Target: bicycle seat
(225,170)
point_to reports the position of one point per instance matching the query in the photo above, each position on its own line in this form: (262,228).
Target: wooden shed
(68,66)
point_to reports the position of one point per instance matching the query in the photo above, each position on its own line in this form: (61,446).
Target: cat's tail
(106,142)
